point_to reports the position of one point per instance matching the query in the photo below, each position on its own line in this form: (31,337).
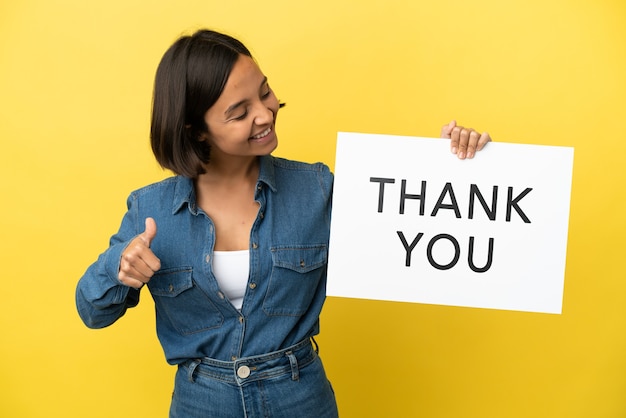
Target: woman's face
(241,123)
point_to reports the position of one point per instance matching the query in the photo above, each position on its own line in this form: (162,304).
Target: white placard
(412,223)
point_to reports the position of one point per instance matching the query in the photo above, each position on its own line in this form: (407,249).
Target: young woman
(233,249)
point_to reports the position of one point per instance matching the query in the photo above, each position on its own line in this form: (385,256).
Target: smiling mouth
(263,134)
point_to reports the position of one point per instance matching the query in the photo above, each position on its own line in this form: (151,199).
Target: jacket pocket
(181,303)
(297,273)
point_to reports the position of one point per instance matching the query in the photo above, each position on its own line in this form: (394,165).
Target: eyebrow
(236,105)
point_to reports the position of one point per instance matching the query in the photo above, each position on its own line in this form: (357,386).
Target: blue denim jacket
(287,281)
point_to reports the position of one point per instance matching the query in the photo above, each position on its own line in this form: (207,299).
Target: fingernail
(461,155)
(454,150)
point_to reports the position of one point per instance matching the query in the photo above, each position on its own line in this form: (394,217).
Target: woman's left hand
(464,142)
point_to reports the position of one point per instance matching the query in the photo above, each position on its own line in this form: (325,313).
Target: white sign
(413,223)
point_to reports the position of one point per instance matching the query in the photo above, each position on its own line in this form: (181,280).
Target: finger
(446,130)
(455,138)
(150,232)
(482,141)
(139,261)
(152,261)
(130,282)
(135,280)
(472,143)
(147,236)
(463,134)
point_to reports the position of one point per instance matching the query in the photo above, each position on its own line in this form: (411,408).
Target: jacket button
(252,285)
(255,245)
(207,258)
(243,372)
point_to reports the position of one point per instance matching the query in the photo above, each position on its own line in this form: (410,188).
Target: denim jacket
(287,280)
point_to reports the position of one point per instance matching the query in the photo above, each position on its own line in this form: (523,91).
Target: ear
(203,137)
(192,133)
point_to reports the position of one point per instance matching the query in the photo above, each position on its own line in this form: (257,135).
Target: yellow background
(75,90)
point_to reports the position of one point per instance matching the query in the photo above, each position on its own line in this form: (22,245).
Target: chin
(273,147)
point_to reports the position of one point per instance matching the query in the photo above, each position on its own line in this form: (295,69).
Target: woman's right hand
(138,263)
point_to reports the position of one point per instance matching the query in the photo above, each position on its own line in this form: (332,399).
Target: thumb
(446,130)
(150,232)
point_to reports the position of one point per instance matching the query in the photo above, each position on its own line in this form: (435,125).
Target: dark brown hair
(189,79)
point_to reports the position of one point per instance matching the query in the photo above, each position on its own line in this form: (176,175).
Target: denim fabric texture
(288,259)
(285,384)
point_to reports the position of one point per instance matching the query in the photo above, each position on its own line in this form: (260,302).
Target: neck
(233,171)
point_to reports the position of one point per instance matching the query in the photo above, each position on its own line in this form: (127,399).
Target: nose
(264,114)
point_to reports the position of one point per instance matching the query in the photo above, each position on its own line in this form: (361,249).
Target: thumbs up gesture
(138,263)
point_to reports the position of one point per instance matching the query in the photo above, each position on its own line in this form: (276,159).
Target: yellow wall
(75,90)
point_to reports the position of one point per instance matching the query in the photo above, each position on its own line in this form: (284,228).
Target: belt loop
(192,368)
(295,373)
(317,348)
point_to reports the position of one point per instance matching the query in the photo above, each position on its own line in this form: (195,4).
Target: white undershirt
(231,269)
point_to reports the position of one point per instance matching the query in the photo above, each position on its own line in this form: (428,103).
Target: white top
(231,269)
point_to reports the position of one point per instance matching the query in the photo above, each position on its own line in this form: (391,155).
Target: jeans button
(243,372)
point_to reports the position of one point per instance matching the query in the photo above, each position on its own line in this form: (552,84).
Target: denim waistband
(249,369)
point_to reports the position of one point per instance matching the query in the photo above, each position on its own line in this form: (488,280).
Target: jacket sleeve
(101,299)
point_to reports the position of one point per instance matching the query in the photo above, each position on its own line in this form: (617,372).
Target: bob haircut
(189,79)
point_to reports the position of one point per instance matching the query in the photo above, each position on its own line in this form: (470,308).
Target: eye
(266,91)
(242,116)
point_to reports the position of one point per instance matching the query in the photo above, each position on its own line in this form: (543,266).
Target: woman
(234,248)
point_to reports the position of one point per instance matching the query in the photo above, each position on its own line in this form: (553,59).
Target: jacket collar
(184,192)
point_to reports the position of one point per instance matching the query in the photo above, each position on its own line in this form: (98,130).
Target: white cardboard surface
(525,269)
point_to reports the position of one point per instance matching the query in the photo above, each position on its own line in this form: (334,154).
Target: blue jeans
(288,383)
